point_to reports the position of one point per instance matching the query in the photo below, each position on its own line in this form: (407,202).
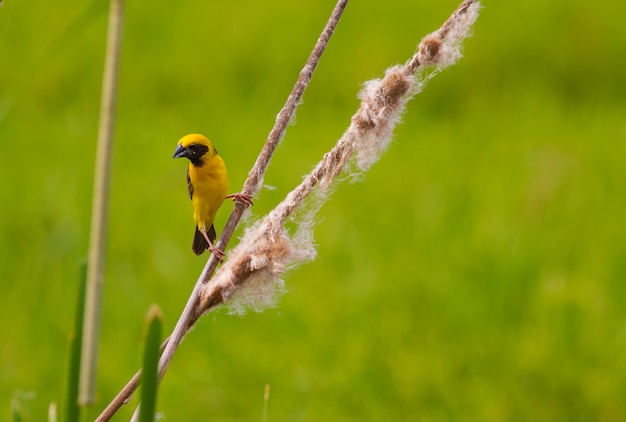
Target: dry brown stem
(251,187)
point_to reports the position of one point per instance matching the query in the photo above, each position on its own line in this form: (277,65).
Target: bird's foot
(241,197)
(219,254)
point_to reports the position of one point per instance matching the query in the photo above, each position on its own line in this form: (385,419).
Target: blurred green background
(476,273)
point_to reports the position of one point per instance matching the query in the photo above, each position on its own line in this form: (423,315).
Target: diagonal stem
(252,183)
(251,186)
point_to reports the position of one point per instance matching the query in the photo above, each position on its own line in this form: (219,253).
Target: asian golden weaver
(207,185)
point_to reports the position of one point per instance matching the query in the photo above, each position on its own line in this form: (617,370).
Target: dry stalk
(251,186)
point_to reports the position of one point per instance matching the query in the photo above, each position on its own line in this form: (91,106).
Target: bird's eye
(192,145)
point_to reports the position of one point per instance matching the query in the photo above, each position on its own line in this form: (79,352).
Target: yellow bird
(207,184)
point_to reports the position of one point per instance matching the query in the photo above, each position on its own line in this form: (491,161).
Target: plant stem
(97,238)
(266,402)
(72,409)
(250,187)
(149,379)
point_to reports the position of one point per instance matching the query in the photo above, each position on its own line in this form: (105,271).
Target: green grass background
(477,272)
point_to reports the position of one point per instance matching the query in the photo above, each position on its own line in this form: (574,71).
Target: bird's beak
(181,151)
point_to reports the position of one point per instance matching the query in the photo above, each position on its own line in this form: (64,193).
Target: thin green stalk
(149,377)
(72,409)
(97,239)
(16,416)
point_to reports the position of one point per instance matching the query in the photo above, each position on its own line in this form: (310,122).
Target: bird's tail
(199,242)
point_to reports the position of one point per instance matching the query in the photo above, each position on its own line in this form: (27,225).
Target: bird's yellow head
(196,148)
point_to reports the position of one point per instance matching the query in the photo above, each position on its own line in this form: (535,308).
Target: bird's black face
(194,152)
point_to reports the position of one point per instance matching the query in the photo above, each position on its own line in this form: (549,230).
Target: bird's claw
(241,197)
(219,254)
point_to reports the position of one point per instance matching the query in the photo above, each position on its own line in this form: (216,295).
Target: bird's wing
(189,186)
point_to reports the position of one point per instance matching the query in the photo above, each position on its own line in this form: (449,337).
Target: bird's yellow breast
(210,186)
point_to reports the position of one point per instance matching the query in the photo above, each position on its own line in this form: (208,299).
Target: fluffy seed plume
(252,276)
